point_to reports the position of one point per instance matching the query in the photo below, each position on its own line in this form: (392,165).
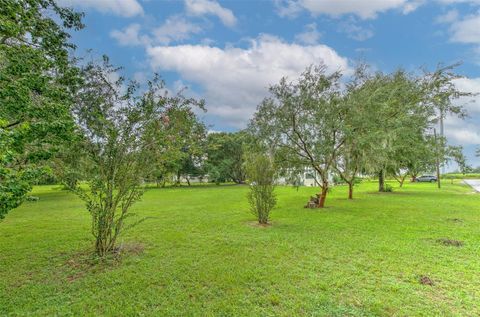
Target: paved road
(474,183)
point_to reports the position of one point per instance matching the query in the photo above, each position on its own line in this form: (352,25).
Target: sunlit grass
(202,256)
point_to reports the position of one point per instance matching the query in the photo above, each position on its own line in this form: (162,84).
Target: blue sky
(229,52)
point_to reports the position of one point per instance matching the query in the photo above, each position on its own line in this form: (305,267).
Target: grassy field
(199,254)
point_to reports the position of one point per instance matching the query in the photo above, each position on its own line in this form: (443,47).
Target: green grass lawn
(203,257)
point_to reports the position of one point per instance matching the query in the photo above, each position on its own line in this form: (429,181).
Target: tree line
(105,136)
(371,123)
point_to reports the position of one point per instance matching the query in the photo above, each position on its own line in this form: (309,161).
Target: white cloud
(412,5)
(287,8)
(126,8)
(471,85)
(175,28)
(448,2)
(355,31)
(363,9)
(463,136)
(130,36)
(449,17)
(310,36)
(234,80)
(466,30)
(210,7)
(465,132)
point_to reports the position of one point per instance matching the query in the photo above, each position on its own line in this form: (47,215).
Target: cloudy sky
(229,52)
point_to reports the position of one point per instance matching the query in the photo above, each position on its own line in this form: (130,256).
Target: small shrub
(357,180)
(261,176)
(388,188)
(337,180)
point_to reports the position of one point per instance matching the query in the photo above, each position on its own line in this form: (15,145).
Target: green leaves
(125,131)
(225,156)
(36,81)
(261,176)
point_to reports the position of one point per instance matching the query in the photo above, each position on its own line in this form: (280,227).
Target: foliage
(180,145)
(387,127)
(302,122)
(225,157)
(261,175)
(388,188)
(121,128)
(36,82)
(455,153)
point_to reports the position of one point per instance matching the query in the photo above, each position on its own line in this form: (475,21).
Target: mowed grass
(203,257)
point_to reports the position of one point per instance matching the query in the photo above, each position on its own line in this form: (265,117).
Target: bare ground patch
(449,242)
(86,262)
(425,280)
(256,224)
(455,220)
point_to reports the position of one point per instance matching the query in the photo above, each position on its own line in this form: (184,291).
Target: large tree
(182,146)
(225,156)
(36,83)
(303,122)
(122,128)
(441,93)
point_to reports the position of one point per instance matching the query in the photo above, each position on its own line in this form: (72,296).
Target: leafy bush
(337,180)
(388,188)
(261,175)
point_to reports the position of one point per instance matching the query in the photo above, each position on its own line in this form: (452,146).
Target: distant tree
(37,79)
(121,127)
(384,119)
(225,156)
(302,121)
(455,153)
(441,91)
(424,158)
(261,176)
(182,147)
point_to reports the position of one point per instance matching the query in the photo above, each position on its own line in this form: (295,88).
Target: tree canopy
(37,78)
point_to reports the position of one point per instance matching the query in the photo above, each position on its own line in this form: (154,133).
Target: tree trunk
(188,180)
(437,159)
(350,190)
(323,196)
(381,181)
(178,180)
(402,179)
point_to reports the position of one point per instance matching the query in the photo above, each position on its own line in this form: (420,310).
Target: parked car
(427,178)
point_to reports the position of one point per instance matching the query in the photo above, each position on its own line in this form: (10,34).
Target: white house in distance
(309,177)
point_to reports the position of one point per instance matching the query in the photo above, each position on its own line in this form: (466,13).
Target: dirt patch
(425,280)
(449,242)
(86,262)
(455,220)
(259,225)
